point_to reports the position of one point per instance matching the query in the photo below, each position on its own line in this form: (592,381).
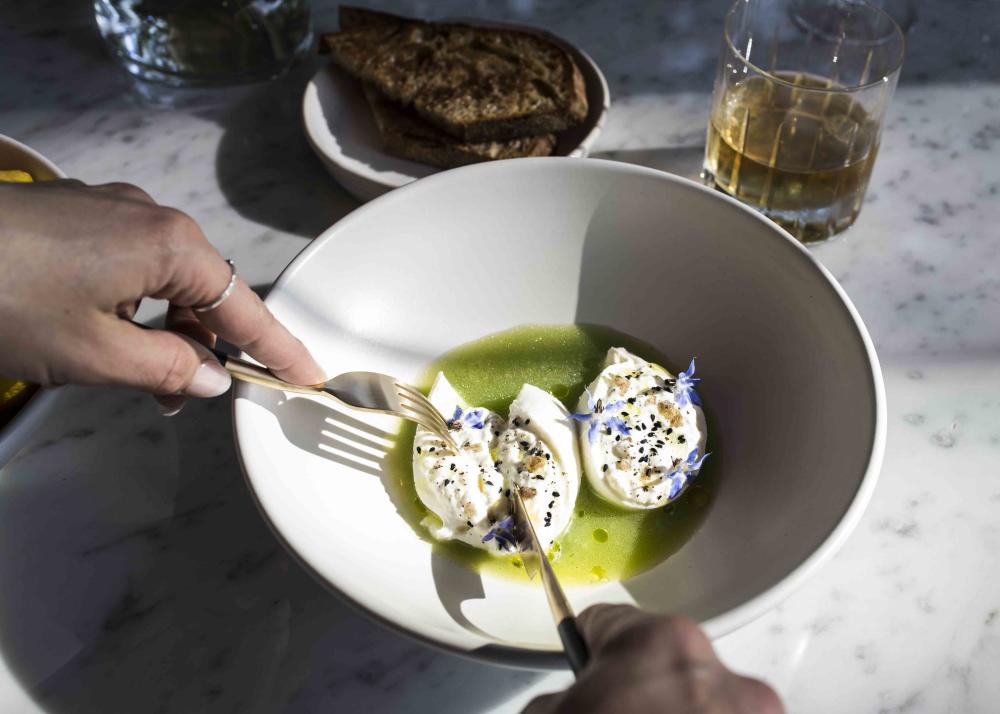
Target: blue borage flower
(503,533)
(601,414)
(685,471)
(473,417)
(684,387)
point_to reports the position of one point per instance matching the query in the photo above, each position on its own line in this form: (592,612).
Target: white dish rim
(715,627)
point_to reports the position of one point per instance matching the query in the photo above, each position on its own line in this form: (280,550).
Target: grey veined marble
(137,576)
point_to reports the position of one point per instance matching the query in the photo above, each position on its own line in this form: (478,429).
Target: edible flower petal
(684,388)
(473,418)
(502,531)
(601,415)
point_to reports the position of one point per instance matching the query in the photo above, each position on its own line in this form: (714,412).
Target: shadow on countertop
(138,576)
(265,167)
(642,47)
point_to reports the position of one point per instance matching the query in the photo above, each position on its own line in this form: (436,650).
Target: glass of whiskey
(800,96)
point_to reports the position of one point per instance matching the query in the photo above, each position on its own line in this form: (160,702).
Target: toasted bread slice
(477,84)
(406,135)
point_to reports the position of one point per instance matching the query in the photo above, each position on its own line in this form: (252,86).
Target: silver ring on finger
(225,293)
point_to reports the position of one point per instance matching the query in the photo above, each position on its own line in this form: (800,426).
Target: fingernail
(210,380)
(169,411)
(169,404)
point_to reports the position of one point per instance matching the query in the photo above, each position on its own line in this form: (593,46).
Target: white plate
(15,155)
(790,377)
(341,130)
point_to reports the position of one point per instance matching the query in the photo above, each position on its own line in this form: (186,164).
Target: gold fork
(367,391)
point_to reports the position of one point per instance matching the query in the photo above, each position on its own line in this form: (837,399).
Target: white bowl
(340,128)
(789,371)
(15,155)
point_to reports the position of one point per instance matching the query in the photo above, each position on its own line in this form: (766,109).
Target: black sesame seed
(524,444)
(453,467)
(618,437)
(642,449)
(556,494)
(608,431)
(469,523)
(681,439)
(669,430)
(418,449)
(631,400)
(527,421)
(604,468)
(446,481)
(431,449)
(652,418)
(489,483)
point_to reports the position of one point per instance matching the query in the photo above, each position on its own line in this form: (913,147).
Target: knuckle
(683,635)
(177,376)
(127,190)
(762,698)
(173,230)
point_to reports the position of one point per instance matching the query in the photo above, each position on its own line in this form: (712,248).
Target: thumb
(161,362)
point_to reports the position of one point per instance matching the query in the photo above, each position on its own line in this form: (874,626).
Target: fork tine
(405,390)
(422,420)
(416,402)
(432,417)
(408,392)
(411,391)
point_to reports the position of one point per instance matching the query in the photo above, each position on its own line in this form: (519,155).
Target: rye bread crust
(477,84)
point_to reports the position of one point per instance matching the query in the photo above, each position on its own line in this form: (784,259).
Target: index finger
(188,271)
(244,320)
(600,623)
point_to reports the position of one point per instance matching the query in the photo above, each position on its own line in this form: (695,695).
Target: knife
(535,561)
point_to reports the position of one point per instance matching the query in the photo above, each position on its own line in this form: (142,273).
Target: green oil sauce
(603,542)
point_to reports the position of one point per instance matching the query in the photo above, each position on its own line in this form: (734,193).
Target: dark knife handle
(576,648)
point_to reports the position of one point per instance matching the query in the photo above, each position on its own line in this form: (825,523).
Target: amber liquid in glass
(802,157)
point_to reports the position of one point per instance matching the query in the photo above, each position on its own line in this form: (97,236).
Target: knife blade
(535,561)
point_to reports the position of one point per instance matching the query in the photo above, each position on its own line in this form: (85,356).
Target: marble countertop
(137,575)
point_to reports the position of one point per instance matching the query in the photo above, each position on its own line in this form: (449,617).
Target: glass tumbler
(204,43)
(800,96)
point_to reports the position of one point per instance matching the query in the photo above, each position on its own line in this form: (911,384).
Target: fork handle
(246,371)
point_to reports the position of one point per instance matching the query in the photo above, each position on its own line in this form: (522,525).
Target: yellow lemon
(16,176)
(13,393)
